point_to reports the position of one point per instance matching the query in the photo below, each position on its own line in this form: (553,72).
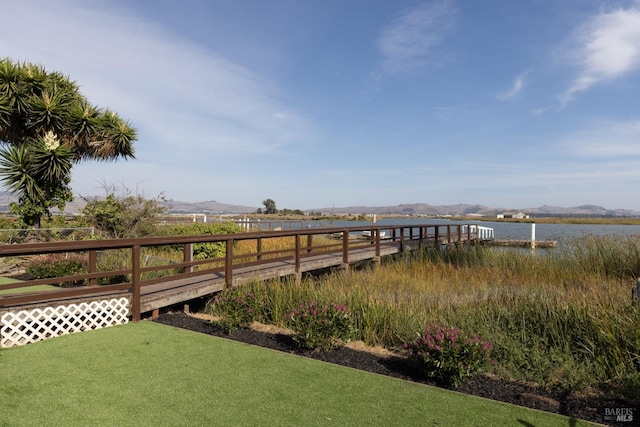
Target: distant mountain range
(212,207)
(208,207)
(481,210)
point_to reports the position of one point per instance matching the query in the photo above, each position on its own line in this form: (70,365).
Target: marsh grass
(562,318)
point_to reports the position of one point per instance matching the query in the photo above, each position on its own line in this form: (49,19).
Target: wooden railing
(306,243)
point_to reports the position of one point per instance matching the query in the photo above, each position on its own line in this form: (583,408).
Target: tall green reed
(561,317)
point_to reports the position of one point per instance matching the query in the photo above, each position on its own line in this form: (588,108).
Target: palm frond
(117,137)
(49,111)
(51,166)
(17,173)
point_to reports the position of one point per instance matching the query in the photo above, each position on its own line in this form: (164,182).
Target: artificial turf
(5,280)
(150,374)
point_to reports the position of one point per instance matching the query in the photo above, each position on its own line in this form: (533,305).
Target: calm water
(518,231)
(502,230)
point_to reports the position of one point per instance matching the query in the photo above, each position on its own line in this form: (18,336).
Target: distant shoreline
(561,220)
(537,220)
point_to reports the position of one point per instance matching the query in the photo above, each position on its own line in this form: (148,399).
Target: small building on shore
(511,215)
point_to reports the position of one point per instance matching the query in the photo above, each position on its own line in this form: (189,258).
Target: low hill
(213,207)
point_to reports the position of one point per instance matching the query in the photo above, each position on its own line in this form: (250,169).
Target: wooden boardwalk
(197,279)
(176,291)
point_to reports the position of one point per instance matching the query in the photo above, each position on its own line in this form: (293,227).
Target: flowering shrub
(236,308)
(321,326)
(448,356)
(58,265)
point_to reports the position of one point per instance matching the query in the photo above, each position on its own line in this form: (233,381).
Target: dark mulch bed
(587,408)
(22,276)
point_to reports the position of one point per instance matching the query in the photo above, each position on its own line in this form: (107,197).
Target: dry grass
(563,318)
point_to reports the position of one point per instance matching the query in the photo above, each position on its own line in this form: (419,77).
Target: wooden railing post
(345,247)
(309,242)
(259,248)
(93,266)
(297,255)
(377,231)
(401,239)
(436,236)
(448,235)
(228,264)
(187,255)
(135,282)
(459,235)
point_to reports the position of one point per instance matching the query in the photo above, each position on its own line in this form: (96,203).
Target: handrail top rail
(87,245)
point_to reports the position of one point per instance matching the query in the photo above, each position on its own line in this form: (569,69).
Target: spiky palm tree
(46,125)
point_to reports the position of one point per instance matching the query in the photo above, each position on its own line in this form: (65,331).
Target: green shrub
(204,250)
(447,356)
(321,327)
(56,265)
(113,262)
(124,215)
(236,308)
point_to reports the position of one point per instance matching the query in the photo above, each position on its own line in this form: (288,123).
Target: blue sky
(511,104)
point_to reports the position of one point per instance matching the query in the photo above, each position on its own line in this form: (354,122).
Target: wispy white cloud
(407,42)
(606,139)
(606,48)
(516,87)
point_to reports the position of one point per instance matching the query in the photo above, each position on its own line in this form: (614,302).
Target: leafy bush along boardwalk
(160,271)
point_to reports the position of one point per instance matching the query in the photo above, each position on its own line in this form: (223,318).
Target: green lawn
(5,280)
(150,374)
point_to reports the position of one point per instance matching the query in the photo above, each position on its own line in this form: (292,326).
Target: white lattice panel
(27,326)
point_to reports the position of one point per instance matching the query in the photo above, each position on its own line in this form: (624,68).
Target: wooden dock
(179,290)
(542,244)
(29,314)
(311,250)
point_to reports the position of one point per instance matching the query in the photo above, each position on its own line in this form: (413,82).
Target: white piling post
(533,236)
